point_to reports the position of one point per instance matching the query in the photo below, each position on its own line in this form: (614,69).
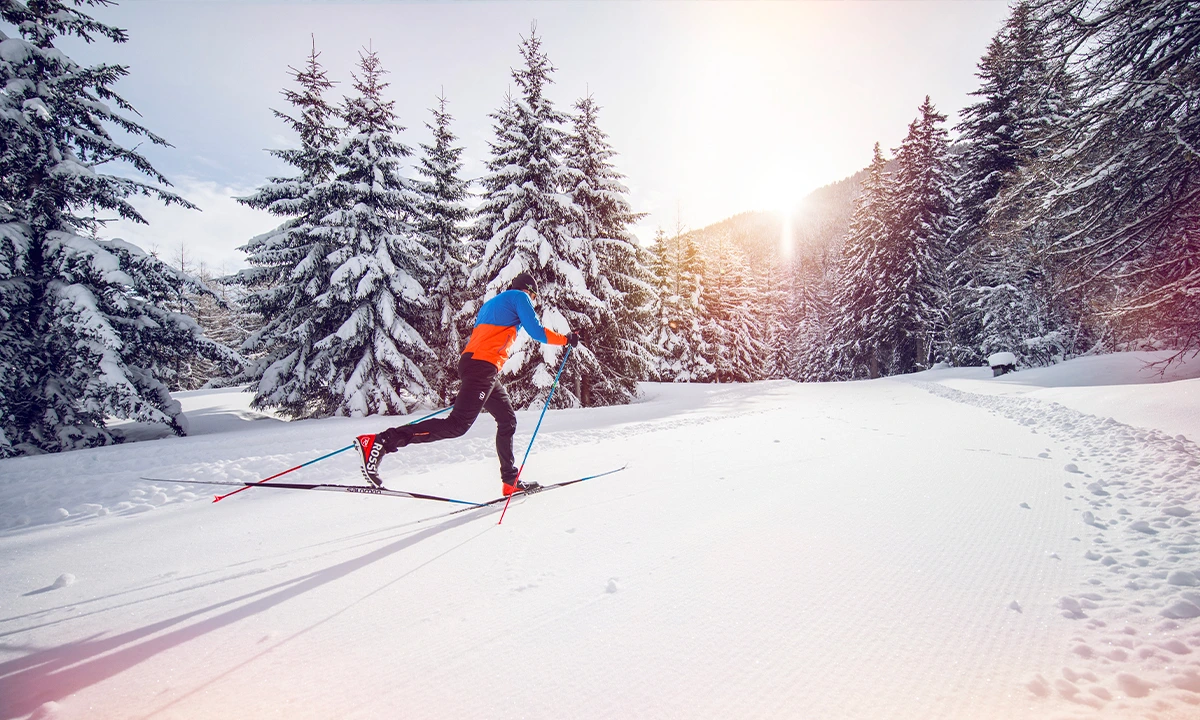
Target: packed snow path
(907,548)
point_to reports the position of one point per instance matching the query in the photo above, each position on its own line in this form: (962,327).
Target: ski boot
(519,486)
(370,452)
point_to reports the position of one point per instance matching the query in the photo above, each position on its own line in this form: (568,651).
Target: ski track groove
(943,606)
(1140,489)
(1124,658)
(789,683)
(119,489)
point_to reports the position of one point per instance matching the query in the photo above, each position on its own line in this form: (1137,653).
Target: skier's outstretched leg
(477,377)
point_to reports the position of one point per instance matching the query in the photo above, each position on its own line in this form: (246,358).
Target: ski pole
(310,462)
(538,427)
(285,472)
(432,414)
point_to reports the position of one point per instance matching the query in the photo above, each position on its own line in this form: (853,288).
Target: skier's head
(526,282)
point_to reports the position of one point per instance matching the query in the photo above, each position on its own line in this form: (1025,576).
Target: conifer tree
(1002,286)
(851,352)
(661,305)
(731,327)
(907,324)
(369,352)
(443,213)
(810,317)
(770,299)
(990,161)
(1124,165)
(682,349)
(615,273)
(289,269)
(85,333)
(525,224)
(489,216)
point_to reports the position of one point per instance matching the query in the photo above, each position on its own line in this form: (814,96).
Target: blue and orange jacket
(496,327)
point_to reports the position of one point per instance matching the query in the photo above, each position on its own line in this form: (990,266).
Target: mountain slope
(818,227)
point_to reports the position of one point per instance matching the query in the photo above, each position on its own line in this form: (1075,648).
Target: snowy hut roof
(1002,358)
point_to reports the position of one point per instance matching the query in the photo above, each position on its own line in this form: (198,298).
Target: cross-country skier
(479,369)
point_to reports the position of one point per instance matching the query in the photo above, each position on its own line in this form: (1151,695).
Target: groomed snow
(942,545)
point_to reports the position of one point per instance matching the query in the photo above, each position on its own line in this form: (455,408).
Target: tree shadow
(28,682)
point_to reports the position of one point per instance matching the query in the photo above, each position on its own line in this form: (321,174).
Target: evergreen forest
(1060,216)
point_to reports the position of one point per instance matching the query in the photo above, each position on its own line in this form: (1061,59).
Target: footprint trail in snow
(1137,491)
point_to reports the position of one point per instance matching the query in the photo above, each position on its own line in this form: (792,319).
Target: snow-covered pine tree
(1002,294)
(679,270)
(217,307)
(907,322)
(1125,165)
(443,214)
(851,354)
(525,224)
(84,330)
(289,269)
(369,353)
(489,216)
(1053,328)
(16,293)
(771,301)
(661,302)
(810,318)
(615,273)
(732,323)
(190,373)
(990,160)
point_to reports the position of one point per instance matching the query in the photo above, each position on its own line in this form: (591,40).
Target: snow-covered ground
(943,545)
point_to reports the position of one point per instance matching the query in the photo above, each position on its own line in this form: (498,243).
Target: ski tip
(217,498)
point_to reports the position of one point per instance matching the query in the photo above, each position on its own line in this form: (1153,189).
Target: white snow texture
(940,545)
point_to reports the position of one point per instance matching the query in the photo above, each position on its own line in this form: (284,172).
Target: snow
(1132,388)
(911,547)
(1002,358)
(15,51)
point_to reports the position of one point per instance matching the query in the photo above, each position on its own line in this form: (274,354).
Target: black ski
(367,490)
(328,487)
(541,488)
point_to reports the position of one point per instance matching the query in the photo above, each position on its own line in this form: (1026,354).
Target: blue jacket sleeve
(529,319)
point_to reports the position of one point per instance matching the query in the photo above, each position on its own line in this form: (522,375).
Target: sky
(714,108)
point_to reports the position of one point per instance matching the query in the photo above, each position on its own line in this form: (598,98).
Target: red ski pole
(310,462)
(539,427)
(285,472)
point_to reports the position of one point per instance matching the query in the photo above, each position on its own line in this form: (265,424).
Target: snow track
(1136,493)
(896,548)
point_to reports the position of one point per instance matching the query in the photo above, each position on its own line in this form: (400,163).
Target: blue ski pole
(218,498)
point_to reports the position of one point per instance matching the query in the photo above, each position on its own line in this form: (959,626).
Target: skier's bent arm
(529,321)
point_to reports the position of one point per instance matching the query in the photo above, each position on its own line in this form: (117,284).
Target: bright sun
(785,235)
(789,207)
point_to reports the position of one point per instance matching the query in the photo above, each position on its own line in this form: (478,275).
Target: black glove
(574,338)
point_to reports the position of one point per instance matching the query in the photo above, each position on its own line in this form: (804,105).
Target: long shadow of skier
(30,681)
(199,579)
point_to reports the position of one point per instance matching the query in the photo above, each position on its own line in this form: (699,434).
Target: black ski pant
(481,390)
